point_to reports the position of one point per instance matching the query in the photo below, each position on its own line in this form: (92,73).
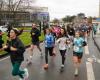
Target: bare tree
(12,6)
(15,5)
(1,4)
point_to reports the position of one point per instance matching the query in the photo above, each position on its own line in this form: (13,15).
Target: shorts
(79,55)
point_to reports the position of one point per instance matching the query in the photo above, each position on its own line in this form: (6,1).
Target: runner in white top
(62,41)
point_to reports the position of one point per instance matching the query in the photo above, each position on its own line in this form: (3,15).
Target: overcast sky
(60,8)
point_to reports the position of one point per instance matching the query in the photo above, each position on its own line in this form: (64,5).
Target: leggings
(62,52)
(16,69)
(50,51)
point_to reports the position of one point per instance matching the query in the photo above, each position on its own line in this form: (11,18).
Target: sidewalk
(97,40)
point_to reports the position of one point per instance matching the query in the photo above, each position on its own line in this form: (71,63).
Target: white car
(3,28)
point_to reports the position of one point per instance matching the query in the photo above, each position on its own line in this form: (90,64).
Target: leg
(31,50)
(50,51)
(38,46)
(53,51)
(46,55)
(46,58)
(80,58)
(63,55)
(76,63)
(16,69)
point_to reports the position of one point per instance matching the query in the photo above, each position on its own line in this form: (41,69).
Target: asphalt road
(36,71)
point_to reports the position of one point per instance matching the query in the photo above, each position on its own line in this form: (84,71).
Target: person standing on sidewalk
(16,49)
(49,45)
(35,33)
(63,41)
(78,45)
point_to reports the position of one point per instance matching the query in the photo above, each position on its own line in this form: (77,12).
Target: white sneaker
(31,57)
(20,79)
(26,75)
(62,66)
(76,72)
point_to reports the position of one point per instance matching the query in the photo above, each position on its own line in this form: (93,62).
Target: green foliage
(25,37)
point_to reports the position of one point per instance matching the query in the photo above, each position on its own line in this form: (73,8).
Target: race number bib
(76,49)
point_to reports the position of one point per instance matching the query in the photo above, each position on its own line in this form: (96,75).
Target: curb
(95,42)
(4,55)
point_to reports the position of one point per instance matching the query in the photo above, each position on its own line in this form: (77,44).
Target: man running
(35,33)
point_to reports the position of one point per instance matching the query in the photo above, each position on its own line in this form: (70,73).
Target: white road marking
(90,73)
(4,59)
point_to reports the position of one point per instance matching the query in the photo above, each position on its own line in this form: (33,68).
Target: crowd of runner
(70,36)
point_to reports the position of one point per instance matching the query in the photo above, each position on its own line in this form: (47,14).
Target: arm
(20,47)
(58,40)
(84,43)
(37,33)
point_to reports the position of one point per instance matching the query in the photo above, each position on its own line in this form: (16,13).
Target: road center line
(90,73)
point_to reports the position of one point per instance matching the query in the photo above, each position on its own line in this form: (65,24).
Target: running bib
(76,49)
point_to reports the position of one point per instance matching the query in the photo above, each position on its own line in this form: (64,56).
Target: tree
(56,20)
(15,5)
(90,19)
(68,19)
(81,15)
(1,4)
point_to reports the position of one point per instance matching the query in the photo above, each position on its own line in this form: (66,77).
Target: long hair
(64,34)
(18,32)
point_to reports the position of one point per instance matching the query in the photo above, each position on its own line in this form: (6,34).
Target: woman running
(78,43)
(16,49)
(63,41)
(49,45)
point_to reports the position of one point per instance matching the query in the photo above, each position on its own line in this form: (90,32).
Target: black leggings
(50,51)
(62,52)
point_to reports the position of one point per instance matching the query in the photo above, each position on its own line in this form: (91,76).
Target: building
(18,16)
(25,15)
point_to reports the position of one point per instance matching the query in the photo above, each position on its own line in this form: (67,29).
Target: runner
(83,30)
(71,33)
(16,49)
(35,33)
(54,35)
(49,44)
(62,41)
(1,41)
(78,43)
(56,30)
(95,28)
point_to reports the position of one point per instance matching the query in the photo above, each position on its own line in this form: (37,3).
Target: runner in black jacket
(35,33)
(16,48)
